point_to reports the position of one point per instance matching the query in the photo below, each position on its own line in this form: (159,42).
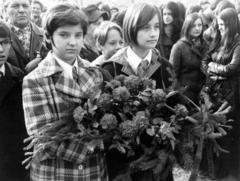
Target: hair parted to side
(137,16)
(232,25)
(189,23)
(62,15)
(101,32)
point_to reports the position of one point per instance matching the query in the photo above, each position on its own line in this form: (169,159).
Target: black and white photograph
(119,90)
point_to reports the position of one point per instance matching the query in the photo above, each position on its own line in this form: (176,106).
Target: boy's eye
(79,35)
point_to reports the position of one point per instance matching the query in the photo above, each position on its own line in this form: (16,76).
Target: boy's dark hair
(62,15)
(4,30)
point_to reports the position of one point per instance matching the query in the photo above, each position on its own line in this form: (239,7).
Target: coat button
(80,167)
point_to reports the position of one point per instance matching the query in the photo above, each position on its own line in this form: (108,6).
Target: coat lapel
(7,82)
(154,65)
(64,85)
(36,40)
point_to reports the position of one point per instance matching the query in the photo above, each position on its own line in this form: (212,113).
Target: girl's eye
(64,35)
(145,27)
(112,43)
(157,26)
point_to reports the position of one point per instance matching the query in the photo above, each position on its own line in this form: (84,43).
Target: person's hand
(32,64)
(212,67)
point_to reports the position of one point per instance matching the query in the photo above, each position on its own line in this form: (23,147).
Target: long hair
(232,25)
(188,24)
(177,22)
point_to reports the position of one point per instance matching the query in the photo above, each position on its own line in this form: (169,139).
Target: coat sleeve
(175,59)
(39,111)
(229,69)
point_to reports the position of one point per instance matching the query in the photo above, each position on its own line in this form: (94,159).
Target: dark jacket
(18,56)
(166,43)
(159,70)
(186,60)
(12,126)
(226,83)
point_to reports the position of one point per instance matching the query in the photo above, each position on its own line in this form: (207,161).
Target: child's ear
(47,37)
(47,40)
(99,47)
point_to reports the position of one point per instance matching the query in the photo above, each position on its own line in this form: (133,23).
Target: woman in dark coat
(141,33)
(224,71)
(186,56)
(170,28)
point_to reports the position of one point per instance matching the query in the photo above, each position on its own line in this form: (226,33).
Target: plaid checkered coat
(49,96)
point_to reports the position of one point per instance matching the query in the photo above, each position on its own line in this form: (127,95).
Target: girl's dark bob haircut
(62,15)
(137,16)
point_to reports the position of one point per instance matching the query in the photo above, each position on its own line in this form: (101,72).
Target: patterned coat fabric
(50,96)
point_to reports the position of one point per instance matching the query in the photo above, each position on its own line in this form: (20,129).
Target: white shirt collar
(67,68)
(134,60)
(2,69)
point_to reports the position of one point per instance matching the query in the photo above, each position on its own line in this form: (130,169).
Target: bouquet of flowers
(151,127)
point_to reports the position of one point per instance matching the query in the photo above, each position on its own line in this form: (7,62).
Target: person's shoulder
(160,58)
(15,71)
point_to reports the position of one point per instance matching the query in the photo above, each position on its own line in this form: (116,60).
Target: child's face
(113,43)
(147,36)
(5,46)
(68,41)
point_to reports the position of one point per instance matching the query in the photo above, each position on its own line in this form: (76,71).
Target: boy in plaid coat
(50,94)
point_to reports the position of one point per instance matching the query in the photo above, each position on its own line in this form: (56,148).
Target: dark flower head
(128,129)
(159,96)
(181,110)
(114,84)
(121,94)
(148,83)
(141,119)
(146,95)
(104,101)
(109,121)
(132,83)
(121,78)
(78,114)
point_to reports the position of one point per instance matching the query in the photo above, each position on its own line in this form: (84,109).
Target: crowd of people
(39,51)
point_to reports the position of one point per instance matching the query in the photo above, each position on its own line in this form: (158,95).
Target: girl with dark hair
(51,93)
(186,56)
(141,32)
(170,28)
(223,70)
